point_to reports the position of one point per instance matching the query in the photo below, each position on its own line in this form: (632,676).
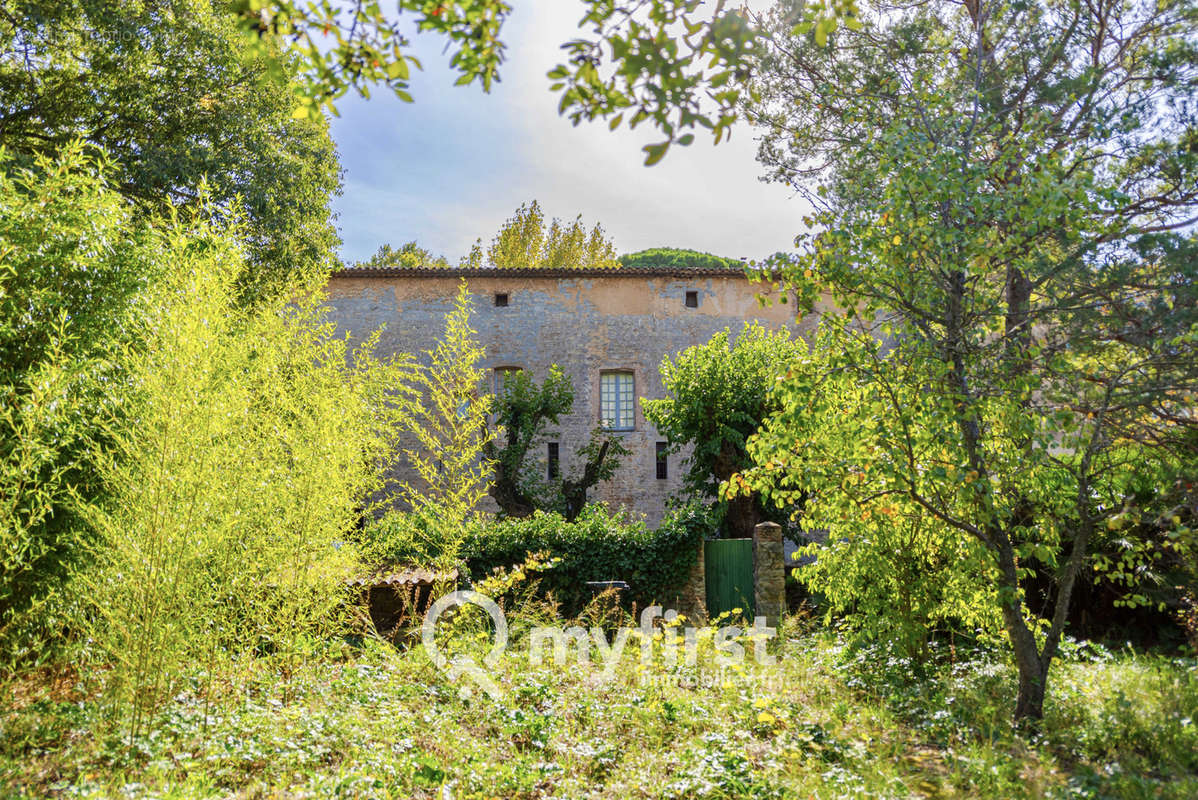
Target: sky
(453,165)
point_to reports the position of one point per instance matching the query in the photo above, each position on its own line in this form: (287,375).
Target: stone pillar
(692,597)
(769,573)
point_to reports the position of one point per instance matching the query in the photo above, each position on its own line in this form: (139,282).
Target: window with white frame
(616,394)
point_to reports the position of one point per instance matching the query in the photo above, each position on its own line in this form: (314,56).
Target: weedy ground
(826,721)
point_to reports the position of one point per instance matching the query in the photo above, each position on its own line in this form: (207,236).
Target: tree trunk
(741,517)
(575,491)
(511,500)
(741,514)
(576,499)
(1029,702)
(1031,665)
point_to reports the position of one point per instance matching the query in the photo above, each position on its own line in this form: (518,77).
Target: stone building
(607,329)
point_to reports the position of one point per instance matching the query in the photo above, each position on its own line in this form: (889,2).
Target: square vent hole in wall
(692,299)
(501,299)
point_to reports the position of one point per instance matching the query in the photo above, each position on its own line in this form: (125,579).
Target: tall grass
(243,446)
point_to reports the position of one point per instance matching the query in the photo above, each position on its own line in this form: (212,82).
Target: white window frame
(617,399)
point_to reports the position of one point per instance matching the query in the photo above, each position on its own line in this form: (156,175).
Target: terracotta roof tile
(407,577)
(616,272)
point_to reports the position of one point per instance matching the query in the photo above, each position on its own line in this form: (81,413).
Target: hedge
(598,546)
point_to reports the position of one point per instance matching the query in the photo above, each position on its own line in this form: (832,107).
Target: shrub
(71,266)
(598,546)
(416,538)
(246,442)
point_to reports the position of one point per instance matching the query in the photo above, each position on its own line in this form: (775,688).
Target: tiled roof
(407,577)
(486,272)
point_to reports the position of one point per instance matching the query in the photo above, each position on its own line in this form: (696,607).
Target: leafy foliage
(678,258)
(356,45)
(1007,210)
(597,546)
(170,93)
(407,256)
(407,538)
(246,442)
(717,394)
(523,412)
(445,428)
(891,569)
(72,265)
(525,242)
(673,62)
(679,82)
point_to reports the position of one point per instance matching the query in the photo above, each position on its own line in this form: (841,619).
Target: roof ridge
(534,272)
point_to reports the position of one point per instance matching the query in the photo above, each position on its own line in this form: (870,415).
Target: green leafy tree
(880,561)
(1005,196)
(600,458)
(677,258)
(407,256)
(444,419)
(524,411)
(717,395)
(525,242)
(170,92)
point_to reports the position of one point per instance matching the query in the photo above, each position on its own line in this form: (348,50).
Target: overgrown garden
(987,448)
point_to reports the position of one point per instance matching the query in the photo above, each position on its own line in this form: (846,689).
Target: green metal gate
(728,567)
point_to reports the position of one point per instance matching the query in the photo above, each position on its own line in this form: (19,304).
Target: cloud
(453,165)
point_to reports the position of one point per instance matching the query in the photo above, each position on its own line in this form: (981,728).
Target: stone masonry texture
(586,323)
(769,572)
(691,601)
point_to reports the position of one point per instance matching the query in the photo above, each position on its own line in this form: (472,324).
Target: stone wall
(769,573)
(584,324)
(691,601)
